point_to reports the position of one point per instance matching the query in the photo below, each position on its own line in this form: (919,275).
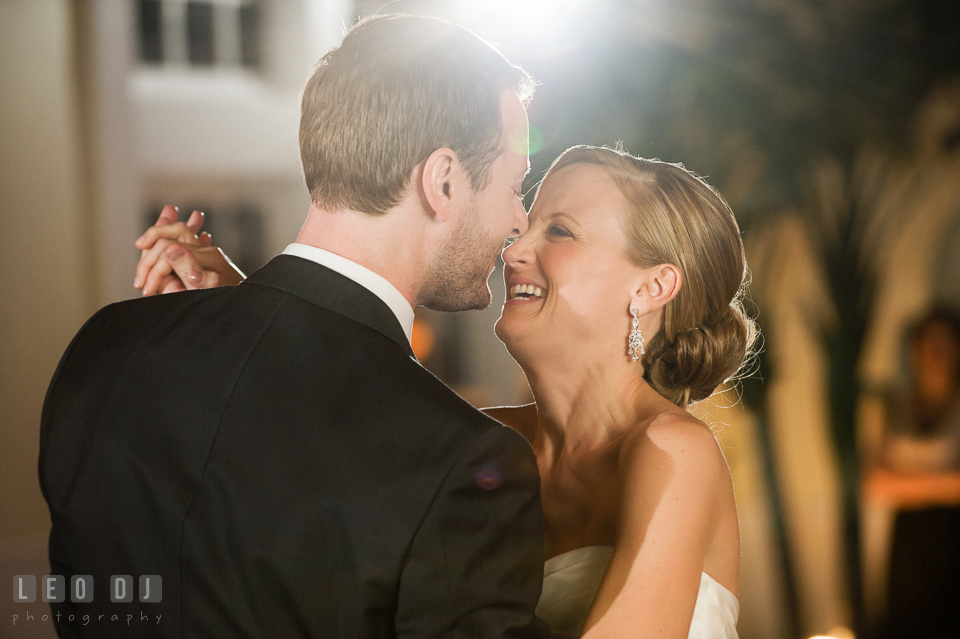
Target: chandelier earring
(635,341)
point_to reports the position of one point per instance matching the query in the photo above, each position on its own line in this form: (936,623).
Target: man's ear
(657,286)
(442,182)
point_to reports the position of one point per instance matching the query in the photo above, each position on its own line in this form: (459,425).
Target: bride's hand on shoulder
(175,256)
(674,481)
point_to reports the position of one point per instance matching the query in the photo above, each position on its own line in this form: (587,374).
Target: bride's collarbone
(579,507)
(581,474)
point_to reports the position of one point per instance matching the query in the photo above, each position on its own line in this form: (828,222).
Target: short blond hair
(674,217)
(398,88)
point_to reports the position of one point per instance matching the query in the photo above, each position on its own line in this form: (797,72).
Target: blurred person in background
(623,308)
(918,473)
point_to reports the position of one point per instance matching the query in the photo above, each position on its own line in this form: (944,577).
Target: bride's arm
(672,475)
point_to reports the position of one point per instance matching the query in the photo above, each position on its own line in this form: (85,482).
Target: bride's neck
(586,403)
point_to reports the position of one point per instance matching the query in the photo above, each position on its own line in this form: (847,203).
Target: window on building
(151,45)
(201,33)
(249,35)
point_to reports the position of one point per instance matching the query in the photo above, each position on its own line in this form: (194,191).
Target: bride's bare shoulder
(522,419)
(672,441)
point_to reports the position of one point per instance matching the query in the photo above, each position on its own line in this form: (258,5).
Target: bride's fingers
(195,221)
(148,260)
(170,284)
(187,267)
(158,273)
(205,239)
(178,231)
(168,215)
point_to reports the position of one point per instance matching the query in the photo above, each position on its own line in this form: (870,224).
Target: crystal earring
(635,341)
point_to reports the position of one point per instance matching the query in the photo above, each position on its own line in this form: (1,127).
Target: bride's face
(568,279)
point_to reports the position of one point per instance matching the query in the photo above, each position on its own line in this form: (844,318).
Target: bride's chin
(517,345)
(501,332)
(505,333)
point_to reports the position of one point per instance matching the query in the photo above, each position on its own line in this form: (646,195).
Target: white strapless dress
(571,582)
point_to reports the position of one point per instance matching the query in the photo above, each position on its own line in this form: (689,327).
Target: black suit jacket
(278,456)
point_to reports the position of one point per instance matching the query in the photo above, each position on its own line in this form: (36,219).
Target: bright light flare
(530,28)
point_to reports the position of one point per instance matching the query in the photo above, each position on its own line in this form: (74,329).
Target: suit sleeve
(475,567)
(59,565)
(59,561)
(51,402)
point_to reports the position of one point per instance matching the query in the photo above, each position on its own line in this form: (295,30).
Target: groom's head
(398,88)
(414,113)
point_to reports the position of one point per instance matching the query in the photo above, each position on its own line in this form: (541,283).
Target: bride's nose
(519,252)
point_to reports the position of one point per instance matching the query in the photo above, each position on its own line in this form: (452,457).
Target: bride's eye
(557,230)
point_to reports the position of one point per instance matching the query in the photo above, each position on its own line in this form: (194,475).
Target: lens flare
(488,477)
(518,141)
(536,140)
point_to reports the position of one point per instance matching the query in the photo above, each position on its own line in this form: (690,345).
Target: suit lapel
(326,288)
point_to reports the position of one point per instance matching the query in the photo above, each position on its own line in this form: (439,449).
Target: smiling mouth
(525,292)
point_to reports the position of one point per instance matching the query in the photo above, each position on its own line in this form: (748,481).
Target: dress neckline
(572,557)
(590,553)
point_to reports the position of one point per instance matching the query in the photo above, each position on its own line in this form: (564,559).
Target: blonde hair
(674,217)
(398,88)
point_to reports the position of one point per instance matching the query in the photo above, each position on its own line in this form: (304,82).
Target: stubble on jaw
(458,279)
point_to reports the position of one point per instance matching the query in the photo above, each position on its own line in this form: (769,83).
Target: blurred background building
(833,129)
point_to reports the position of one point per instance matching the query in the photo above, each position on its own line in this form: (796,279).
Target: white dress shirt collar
(376,284)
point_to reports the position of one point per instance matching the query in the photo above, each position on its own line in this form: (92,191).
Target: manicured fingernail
(138,241)
(137,282)
(194,277)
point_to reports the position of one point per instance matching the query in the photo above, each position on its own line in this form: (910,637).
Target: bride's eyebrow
(562,215)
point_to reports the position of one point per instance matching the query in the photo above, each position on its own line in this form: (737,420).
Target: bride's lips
(521,290)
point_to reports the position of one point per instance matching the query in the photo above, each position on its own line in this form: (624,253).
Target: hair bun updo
(672,216)
(690,367)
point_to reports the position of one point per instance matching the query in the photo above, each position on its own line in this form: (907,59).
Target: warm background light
(837,633)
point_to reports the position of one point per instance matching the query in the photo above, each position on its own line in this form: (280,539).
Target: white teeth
(525,289)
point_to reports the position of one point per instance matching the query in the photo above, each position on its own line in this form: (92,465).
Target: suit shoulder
(522,419)
(133,314)
(447,402)
(414,391)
